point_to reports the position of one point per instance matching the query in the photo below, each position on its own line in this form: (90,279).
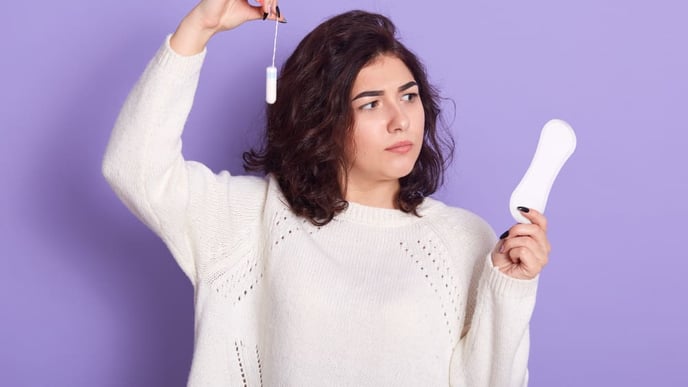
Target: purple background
(90,297)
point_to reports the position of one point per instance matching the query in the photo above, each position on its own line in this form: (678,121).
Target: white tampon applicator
(271,84)
(557,142)
(271,73)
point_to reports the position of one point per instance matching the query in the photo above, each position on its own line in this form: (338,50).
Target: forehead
(383,72)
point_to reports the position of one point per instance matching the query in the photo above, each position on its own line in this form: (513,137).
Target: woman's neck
(380,194)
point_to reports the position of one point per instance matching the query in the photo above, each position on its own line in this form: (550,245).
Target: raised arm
(143,162)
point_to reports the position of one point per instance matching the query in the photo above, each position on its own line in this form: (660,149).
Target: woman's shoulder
(224,196)
(456,219)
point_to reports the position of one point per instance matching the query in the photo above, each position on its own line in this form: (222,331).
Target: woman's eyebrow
(407,85)
(376,93)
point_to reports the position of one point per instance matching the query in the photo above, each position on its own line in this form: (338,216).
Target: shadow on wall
(126,268)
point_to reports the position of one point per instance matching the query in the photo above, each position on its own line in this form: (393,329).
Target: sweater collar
(373,216)
(376,216)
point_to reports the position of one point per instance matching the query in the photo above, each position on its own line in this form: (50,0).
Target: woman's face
(388,123)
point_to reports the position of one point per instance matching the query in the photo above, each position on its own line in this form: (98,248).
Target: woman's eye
(369,105)
(409,97)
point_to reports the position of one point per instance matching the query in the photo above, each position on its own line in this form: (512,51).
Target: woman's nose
(398,119)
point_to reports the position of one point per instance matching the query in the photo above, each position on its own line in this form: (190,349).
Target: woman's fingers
(270,9)
(534,216)
(257,12)
(537,229)
(230,14)
(519,258)
(524,260)
(531,230)
(524,249)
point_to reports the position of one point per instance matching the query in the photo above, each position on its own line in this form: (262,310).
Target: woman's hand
(523,250)
(212,16)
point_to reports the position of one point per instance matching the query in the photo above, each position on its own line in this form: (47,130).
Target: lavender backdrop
(89,297)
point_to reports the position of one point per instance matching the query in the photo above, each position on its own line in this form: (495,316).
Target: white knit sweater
(377,297)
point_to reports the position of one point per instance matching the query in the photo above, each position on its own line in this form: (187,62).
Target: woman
(336,268)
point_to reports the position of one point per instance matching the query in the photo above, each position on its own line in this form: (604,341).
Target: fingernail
(278,12)
(504,234)
(501,249)
(265,15)
(284,21)
(523,209)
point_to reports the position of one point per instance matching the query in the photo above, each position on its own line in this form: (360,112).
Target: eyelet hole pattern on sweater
(240,352)
(241,282)
(433,266)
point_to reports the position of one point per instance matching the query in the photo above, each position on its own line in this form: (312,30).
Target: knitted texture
(376,297)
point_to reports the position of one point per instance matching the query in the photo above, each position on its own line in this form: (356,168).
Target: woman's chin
(401,171)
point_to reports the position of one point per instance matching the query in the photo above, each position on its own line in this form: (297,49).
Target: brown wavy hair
(309,127)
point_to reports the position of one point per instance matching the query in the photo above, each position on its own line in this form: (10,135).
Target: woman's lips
(400,147)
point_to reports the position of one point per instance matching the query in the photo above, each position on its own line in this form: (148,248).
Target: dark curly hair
(310,126)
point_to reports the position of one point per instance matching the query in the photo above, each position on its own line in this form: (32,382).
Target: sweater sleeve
(494,346)
(494,349)
(181,201)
